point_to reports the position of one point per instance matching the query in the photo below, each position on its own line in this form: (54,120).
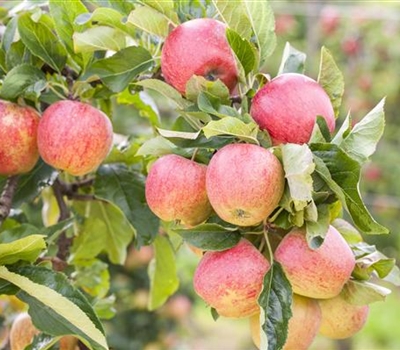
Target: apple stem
(7,196)
(196,150)
(266,238)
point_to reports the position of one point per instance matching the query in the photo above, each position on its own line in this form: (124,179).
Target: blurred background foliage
(364,40)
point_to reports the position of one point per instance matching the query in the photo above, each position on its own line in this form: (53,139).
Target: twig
(7,197)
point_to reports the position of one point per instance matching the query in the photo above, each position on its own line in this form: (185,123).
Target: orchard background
(43,68)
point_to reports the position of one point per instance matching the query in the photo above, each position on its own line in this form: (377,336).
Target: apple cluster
(243,185)
(71,136)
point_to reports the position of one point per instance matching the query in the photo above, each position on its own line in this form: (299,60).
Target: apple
(74,136)
(231,280)
(287,108)
(68,342)
(329,19)
(176,190)
(341,319)
(18,134)
(22,332)
(319,273)
(303,325)
(198,47)
(244,183)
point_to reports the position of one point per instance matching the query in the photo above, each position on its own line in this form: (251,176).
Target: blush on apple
(244,183)
(18,138)
(74,137)
(288,105)
(231,280)
(176,190)
(198,47)
(319,273)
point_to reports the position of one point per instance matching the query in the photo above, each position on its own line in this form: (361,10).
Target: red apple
(341,319)
(288,105)
(74,136)
(303,325)
(330,19)
(231,281)
(198,47)
(244,183)
(18,132)
(319,273)
(176,190)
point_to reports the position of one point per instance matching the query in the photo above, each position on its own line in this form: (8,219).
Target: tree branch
(7,196)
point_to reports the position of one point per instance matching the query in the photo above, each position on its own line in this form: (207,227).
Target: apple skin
(198,47)
(341,319)
(287,108)
(22,332)
(231,280)
(244,183)
(303,325)
(74,136)
(176,190)
(319,273)
(18,138)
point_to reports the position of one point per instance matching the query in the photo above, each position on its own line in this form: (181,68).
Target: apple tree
(248,167)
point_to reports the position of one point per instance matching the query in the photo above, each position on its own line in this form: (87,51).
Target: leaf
(262,22)
(342,173)
(243,49)
(197,84)
(55,306)
(99,38)
(120,69)
(178,134)
(19,79)
(331,79)
(343,131)
(166,7)
(298,165)
(42,42)
(212,105)
(348,231)
(149,20)
(210,236)
(293,60)
(232,126)
(162,272)
(363,293)
(17,232)
(361,142)
(317,230)
(157,146)
(126,189)
(25,249)
(105,229)
(275,301)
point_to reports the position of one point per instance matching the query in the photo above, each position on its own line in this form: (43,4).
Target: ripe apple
(74,136)
(341,319)
(288,105)
(18,133)
(244,183)
(303,325)
(319,273)
(176,190)
(22,332)
(198,47)
(329,19)
(231,280)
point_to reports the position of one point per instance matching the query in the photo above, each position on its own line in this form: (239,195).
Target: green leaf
(342,173)
(126,189)
(120,69)
(17,232)
(99,38)
(243,49)
(361,142)
(55,306)
(234,127)
(363,293)
(298,165)
(105,229)
(25,249)
(317,230)
(162,272)
(331,79)
(93,277)
(262,21)
(166,7)
(212,104)
(178,134)
(149,20)
(343,131)
(210,236)
(157,146)
(10,34)
(19,54)
(275,301)
(197,84)
(348,231)
(19,79)
(42,42)
(293,60)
